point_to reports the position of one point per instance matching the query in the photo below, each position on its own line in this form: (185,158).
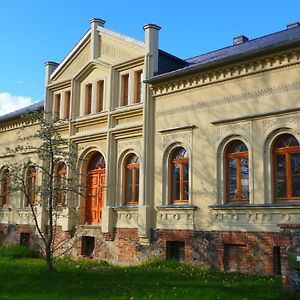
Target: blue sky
(35,31)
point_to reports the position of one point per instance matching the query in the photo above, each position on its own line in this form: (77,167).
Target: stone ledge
(178,217)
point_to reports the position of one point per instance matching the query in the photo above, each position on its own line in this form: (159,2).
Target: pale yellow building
(197,159)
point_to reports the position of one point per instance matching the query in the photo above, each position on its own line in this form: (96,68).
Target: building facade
(196,159)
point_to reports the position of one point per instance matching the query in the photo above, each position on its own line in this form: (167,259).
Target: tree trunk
(49,258)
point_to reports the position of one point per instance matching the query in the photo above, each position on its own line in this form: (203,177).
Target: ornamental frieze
(244,97)
(251,67)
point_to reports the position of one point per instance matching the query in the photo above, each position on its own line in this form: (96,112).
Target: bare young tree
(54,162)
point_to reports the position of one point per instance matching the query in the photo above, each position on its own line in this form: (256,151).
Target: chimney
(292,25)
(50,68)
(95,38)
(240,40)
(151,45)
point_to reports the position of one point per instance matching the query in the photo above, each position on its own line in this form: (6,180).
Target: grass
(27,278)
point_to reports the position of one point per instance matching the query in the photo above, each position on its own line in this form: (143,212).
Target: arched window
(5,188)
(61,172)
(132,180)
(237,172)
(179,176)
(31,185)
(286,168)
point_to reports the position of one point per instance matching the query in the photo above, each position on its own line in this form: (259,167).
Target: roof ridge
(26,109)
(249,41)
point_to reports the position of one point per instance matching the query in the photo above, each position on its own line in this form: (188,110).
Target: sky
(35,31)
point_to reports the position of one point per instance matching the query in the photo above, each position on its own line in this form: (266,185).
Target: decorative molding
(92,126)
(279,122)
(176,218)
(236,128)
(17,124)
(248,96)
(271,216)
(254,66)
(127,217)
(135,144)
(129,119)
(170,138)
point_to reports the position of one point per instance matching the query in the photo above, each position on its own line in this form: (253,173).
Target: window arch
(4,188)
(97,161)
(286,168)
(61,178)
(237,172)
(31,185)
(179,176)
(132,180)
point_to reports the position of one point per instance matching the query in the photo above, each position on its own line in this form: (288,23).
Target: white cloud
(9,103)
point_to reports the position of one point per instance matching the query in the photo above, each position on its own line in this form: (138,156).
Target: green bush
(16,251)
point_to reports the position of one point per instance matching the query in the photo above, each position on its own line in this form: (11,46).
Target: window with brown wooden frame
(286,168)
(4,188)
(132,180)
(100,96)
(88,99)
(67,104)
(138,77)
(57,99)
(31,185)
(60,183)
(179,176)
(124,89)
(237,172)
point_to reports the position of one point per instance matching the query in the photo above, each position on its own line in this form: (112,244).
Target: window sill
(249,205)
(5,208)
(90,116)
(129,107)
(24,208)
(126,207)
(176,206)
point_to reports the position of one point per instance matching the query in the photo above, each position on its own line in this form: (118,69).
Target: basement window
(175,250)
(276,261)
(24,239)
(87,246)
(1,237)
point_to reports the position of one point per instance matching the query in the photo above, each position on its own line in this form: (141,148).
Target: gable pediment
(115,50)
(75,62)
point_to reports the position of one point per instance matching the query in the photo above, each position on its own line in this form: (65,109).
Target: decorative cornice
(248,96)
(17,124)
(177,128)
(228,72)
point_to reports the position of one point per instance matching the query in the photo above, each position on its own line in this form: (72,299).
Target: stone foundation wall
(10,234)
(249,252)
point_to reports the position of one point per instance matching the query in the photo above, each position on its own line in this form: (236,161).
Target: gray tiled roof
(251,47)
(31,108)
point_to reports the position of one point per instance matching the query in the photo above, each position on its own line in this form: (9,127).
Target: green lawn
(27,278)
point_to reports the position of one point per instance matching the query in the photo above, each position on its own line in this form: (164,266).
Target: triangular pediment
(114,48)
(76,59)
(89,68)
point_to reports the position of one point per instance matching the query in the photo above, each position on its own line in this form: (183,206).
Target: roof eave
(229,60)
